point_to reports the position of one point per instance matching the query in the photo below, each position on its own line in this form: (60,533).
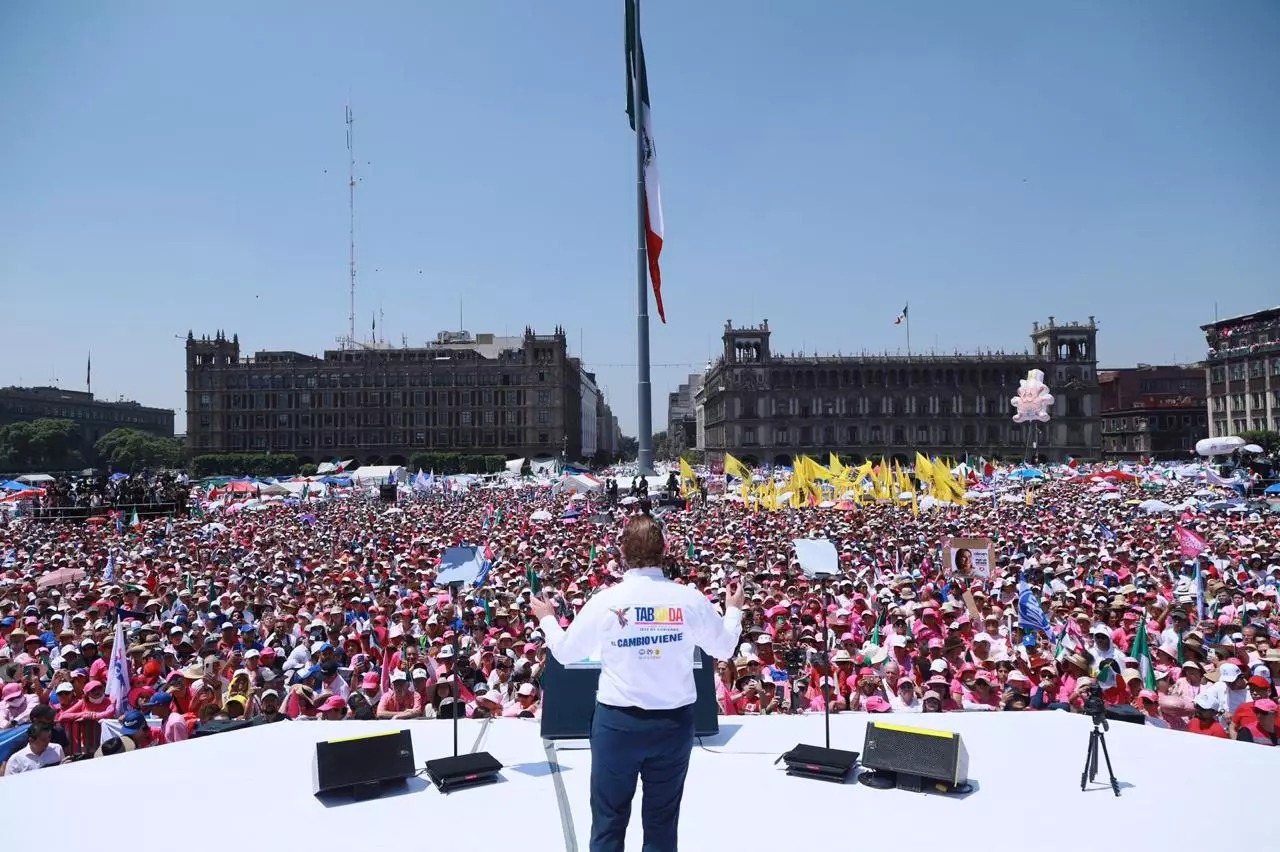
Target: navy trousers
(629,744)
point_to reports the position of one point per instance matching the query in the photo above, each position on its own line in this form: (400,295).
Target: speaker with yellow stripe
(361,766)
(911,758)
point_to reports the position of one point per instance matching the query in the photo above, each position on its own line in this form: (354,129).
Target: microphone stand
(460,770)
(823,763)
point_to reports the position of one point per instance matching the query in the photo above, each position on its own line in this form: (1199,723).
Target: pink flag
(1192,545)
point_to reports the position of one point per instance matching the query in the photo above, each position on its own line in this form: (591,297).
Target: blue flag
(483,575)
(1106,532)
(1030,614)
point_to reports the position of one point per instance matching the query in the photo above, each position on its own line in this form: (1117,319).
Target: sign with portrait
(968,557)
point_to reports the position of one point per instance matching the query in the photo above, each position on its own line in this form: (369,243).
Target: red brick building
(1152,411)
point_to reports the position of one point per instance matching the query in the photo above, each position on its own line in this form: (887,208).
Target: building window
(544,417)
(749,435)
(466,418)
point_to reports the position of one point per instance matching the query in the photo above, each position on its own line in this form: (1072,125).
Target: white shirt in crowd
(644,631)
(25,760)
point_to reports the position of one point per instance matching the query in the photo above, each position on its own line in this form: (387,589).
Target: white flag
(118,671)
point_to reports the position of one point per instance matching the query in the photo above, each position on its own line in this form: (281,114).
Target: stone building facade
(766,408)
(518,396)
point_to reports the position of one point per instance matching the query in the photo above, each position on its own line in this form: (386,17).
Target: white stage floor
(256,784)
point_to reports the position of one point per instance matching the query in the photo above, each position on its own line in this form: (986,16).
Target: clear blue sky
(823,162)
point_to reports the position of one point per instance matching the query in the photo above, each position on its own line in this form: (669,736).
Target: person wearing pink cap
(15,705)
(334,708)
(95,706)
(1262,730)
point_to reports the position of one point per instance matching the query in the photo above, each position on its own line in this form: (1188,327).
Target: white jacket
(644,632)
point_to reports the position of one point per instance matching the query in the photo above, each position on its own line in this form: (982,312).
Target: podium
(569,698)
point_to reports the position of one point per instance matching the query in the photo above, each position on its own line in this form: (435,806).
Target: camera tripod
(1098,737)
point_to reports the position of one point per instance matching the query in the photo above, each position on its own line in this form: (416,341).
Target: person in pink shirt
(526,705)
(95,706)
(400,702)
(173,726)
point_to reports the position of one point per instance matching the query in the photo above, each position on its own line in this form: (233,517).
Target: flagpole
(644,390)
(907,319)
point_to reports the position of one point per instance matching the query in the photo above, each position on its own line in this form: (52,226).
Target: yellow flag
(733,467)
(838,468)
(687,474)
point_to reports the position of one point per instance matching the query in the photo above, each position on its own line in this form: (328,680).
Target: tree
(628,448)
(45,443)
(127,449)
(1269,441)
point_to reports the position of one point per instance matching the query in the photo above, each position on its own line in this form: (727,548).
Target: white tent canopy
(379,474)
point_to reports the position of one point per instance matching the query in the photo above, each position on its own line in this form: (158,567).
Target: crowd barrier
(81,514)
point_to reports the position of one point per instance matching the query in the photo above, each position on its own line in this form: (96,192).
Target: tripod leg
(1089,759)
(1093,754)
(1115,785)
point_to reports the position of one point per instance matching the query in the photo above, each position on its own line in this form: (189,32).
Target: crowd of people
(329,609)
(101,490)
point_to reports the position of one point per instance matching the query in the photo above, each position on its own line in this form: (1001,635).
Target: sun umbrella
(60,577)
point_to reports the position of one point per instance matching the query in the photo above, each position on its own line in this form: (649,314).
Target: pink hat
(92,685)
(1264,705)
(876,704)
(369,680)
(334,702)
(11,691)
(1148,695)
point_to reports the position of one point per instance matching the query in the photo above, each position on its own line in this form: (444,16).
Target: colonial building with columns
(765,407)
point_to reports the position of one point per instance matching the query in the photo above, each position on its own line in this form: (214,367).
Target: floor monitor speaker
(363,765)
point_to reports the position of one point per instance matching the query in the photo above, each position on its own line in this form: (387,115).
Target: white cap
(1206,701)
(446,653)
(1228,673)
(525,689)
(397,675)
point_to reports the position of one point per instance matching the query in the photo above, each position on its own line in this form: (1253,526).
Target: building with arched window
(764,407)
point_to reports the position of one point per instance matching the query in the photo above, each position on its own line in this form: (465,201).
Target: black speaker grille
(362,760)
(913,753)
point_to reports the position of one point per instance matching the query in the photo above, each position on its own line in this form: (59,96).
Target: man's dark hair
(39,729)
(42,714)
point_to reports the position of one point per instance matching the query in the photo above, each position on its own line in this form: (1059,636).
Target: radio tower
(351,206)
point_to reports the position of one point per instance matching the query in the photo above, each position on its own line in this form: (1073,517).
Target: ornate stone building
(766,408)
(518,396)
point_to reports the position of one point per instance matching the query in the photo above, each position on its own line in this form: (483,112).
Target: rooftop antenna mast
(351,211)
